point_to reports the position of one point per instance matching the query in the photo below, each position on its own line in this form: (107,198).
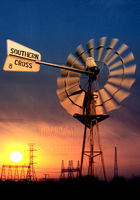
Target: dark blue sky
(55,28)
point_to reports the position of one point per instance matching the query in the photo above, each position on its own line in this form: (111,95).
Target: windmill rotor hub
(92,67)
(90,63)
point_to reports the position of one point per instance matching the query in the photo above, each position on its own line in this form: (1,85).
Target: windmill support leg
(83,149)
(91,170)
(100,147)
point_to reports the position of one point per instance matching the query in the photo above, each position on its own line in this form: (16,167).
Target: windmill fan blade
(118,94)
(67,82)
(70,107)
(99,105)
(100,48)
(117,64)
(126,83)
(116,81)
(122,48)
(111,88)
(72,61)
(126,71)
(64,73)
(73,89)
(130,69)
(61,93)
(108,100)
(104,95)
(78,99)
(72,81)
(116,72)
(81,53)
(109,49)
(126,59)
(76,92)
(64,93)
(61,83)
(73,98)
(73,74)
(121,95)
(111,105)
(90,46)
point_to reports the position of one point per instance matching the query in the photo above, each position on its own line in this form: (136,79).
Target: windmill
(93,83)
(90,97)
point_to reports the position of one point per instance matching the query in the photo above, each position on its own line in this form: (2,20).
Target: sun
(16,156)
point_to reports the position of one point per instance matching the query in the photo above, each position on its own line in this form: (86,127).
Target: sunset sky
(30,111)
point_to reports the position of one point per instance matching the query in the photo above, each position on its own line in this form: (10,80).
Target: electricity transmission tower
(31,174)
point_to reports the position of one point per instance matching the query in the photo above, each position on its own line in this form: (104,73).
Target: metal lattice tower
(115,164)
(13,172)
(3,173)
(31,175)
(71,171)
